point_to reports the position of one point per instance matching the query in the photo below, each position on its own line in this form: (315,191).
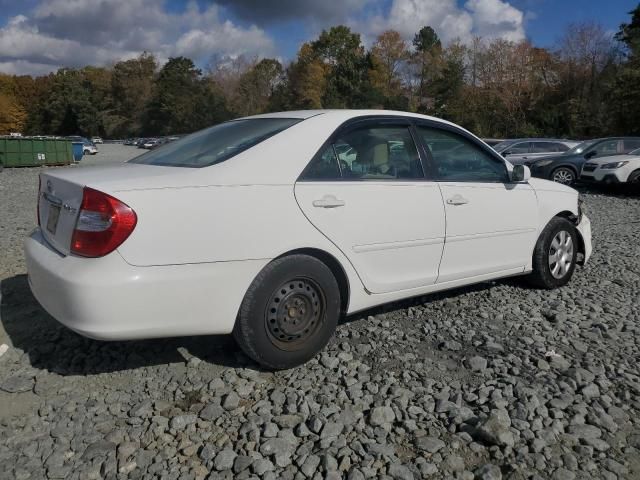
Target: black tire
(567,174)
(634,178)
(289,312)
(545,275)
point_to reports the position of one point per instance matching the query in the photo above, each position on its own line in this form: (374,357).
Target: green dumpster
(34,152)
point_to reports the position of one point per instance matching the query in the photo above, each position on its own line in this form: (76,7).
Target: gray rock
(180,422)
(231,401)
(381,416)
(477,364)
(400,472)
(488,471)
(224,460)
(495,429)
(429,444)
(19,383)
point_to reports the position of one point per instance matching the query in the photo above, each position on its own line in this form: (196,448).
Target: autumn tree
(256,86)
(389,53)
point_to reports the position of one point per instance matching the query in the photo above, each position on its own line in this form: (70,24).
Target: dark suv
(566,168)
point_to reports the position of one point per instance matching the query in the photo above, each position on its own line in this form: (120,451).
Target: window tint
(561,147)
(323,166)
(518,148)
(378,153)
(631,144)
(216,144)
(607,147)
(545,147)
(457,159)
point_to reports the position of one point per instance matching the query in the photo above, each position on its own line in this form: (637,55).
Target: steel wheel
(295,313)
(561,254)
(564,176)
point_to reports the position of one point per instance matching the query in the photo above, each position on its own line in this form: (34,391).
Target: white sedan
(255,227)
(616,169)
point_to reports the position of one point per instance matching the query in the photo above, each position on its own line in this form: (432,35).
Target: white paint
(204,234)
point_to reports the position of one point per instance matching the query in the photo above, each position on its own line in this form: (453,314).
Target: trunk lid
(61,192)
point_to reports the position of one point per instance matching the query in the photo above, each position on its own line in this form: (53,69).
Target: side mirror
(590,154)
(520,173)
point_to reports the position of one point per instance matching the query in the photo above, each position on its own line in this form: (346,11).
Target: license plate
(52,219)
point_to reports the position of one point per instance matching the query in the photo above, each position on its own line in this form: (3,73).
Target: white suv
(617,169)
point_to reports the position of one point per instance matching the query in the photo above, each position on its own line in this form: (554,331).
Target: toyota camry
(272,227)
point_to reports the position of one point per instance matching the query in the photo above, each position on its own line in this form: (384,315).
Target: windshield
(215,144)
(580,148)
(498,147)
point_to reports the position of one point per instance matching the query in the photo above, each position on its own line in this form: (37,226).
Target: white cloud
(80,32)
(486,18)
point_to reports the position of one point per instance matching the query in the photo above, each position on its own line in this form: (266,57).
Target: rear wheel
(554,257)
(289,312)
(563,175)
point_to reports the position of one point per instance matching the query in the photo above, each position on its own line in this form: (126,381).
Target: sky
(40,36)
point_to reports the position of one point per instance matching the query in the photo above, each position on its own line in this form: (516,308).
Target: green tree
(427,58)
(257,85)
(132,85)
(342,52)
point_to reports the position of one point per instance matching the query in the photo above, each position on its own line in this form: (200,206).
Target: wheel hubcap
(294,313)
(561,254)
(563,176)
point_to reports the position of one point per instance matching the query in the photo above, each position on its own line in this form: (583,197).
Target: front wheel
(289,312)
(555,254)
(564,175)
(634,178)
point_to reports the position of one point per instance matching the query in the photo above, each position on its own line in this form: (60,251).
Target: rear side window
(518,148)
(216,144)
(545,147)
(368,153)
(631,144)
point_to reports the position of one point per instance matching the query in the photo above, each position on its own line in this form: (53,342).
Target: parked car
(253,226)
(523,150)
(97,140)
(614,169)
(88,147)
(566,168)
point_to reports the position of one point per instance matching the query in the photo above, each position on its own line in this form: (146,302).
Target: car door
(518,153)
(373,202)
(491,223)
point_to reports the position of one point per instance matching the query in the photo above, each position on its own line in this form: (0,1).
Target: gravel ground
(488,382)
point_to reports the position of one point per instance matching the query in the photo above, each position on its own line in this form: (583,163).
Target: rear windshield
(215,144)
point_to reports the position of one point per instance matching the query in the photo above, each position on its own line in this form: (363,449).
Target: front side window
(216,144)
(607,147)
(457,159)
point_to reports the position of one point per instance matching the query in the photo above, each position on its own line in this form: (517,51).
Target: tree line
(587,85)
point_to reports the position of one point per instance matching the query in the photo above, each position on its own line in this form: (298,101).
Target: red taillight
(103,224)
(39,195)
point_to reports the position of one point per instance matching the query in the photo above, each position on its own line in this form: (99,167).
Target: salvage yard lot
(493,381)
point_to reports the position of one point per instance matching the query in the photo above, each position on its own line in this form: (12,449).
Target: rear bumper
(108,299)
(584,229)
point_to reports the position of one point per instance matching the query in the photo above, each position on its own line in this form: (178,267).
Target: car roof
(346,114)
(541,139)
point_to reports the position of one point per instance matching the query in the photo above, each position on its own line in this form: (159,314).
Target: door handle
(524,158)
(328,201)
(457,200)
